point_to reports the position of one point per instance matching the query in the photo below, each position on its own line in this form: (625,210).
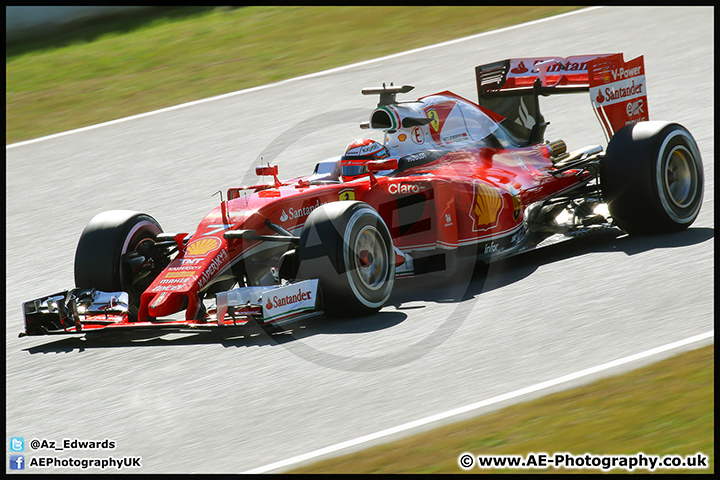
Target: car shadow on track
(510,270)
(409,294)
(238,337)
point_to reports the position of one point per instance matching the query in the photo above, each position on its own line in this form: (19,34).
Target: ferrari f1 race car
(452,180)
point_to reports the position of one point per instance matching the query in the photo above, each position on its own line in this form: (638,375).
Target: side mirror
(269,170)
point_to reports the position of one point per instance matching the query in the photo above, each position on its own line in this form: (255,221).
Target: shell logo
(203,245)
(487,205)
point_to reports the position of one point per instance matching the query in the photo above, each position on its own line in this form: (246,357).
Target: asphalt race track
(213,404)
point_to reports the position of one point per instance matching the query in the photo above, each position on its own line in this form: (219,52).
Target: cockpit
(418,132)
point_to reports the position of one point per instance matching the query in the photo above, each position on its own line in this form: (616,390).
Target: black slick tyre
(103,242)
(652,178)
(347,247)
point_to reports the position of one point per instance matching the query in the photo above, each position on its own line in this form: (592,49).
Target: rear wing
(512,87)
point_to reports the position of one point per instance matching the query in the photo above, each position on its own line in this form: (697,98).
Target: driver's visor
(352,170)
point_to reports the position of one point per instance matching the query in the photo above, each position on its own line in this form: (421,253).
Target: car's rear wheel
(652,178)
(101,257)
(348,248)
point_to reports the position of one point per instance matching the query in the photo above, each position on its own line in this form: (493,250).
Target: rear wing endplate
(512,87)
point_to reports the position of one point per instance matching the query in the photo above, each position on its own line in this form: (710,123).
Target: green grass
(665,408)
(134,64)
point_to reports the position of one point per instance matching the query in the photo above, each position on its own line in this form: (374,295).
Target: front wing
(81,311)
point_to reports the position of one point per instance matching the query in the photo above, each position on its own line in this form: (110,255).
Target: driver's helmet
(357,154)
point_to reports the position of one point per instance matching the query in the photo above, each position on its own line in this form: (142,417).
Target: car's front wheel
(347,247)
(102,257)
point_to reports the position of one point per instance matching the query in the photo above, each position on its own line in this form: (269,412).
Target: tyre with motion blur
(652,178)
(113,253)
(347,246)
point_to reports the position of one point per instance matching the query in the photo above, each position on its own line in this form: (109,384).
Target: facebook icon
(17,462)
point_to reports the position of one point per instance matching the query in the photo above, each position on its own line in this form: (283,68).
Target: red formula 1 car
(452,180)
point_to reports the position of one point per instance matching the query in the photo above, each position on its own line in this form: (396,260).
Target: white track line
(483,403)
(284,82)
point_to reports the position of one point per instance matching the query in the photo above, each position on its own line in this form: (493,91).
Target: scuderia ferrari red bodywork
(462,180)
